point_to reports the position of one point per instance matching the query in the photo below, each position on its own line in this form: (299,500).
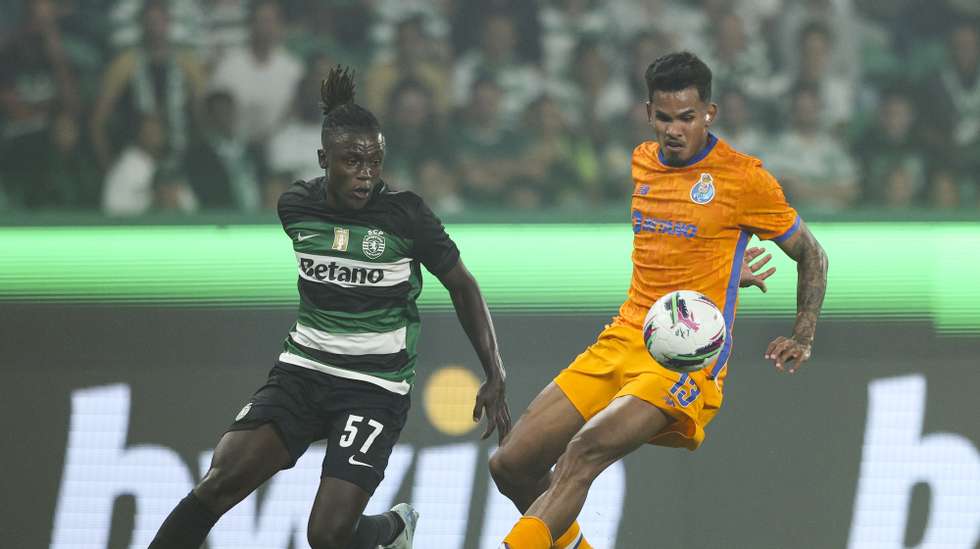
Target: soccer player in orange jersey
(696,203)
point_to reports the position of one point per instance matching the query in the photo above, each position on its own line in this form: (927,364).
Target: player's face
(353,163)
(681,121)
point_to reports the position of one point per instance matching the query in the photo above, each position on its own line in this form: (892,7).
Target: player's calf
(330,534)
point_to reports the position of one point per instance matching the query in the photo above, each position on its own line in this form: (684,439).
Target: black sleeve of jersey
(297,203)
(432,245)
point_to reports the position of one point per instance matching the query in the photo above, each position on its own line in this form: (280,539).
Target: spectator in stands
(844,56)
(951,103)
(596,94)
(387,15)
(221,168)
(39,106)
(417,152)
(153,79)
(341,29)
(138,180)
(616,154)
(469,18)
(262,77)
(893,163)
(736,58)
(186,22)
(226,27)
(666,18)
(812,165)
(67,173)
(487,152)
(414,57)
(560,166)
(642,49)
(738,124)
(519,81)
(290,153)
(837,91)
(564,25)
(944,191)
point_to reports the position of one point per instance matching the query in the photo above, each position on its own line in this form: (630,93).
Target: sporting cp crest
(374,244)
(704,190)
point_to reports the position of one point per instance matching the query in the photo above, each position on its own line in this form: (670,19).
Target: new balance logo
(353,461)
(300,237)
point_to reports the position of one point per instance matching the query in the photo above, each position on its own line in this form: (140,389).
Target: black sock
(376,530)
(186,526)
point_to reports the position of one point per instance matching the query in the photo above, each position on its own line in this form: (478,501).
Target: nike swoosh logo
(353,461)
(301,237)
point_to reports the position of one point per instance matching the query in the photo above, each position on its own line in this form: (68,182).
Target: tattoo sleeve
(811,281)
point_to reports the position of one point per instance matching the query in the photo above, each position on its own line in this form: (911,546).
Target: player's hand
(788,354)
(491,399)
(751,264)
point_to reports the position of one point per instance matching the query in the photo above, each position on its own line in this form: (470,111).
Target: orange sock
(570,535)
(529,533)
(572,539)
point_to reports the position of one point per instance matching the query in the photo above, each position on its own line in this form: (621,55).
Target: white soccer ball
(684,331)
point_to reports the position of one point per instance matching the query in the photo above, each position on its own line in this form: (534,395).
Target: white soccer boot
(410,517)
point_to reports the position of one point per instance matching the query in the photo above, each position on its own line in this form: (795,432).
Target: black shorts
(360,421)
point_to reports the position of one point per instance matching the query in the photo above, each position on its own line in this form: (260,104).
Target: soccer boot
(410,517)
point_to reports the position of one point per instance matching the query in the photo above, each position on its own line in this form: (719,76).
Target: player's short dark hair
(678,71)
(340,113)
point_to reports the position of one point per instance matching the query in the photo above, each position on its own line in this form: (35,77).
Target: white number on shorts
(350,432)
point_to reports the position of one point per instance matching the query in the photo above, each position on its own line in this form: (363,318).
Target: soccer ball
(684,331)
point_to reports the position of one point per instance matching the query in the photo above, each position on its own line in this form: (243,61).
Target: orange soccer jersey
(692,224)
(691,227)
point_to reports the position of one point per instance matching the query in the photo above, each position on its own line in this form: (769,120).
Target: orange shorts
(618,364)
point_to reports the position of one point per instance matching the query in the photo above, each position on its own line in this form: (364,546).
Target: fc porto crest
(374,243)
(704,190)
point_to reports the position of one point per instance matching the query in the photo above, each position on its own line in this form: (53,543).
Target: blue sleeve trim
(789,232)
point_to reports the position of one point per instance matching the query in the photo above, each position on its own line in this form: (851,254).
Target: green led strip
(898,271)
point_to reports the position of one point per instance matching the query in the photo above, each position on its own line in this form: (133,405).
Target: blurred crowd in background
(135,106)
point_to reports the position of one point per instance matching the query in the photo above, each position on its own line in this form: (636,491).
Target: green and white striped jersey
(359,277)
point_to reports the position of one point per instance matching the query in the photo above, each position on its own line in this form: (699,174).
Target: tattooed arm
(790,353)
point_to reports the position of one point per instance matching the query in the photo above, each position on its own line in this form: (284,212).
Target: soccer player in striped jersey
(696,203)
(348,363)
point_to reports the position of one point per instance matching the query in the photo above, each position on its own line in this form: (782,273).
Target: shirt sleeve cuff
(789,232)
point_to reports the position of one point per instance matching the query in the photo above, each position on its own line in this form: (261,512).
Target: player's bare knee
(509,470)
(222,488)
(502,468)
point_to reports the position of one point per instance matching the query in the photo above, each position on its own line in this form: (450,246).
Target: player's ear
(709,117)
(321,156)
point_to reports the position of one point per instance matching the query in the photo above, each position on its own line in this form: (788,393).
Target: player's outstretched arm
(811,285)
(475,318)
(751,264)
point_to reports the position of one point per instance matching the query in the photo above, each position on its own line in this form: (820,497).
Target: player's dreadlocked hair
(340,113)
(677,71)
